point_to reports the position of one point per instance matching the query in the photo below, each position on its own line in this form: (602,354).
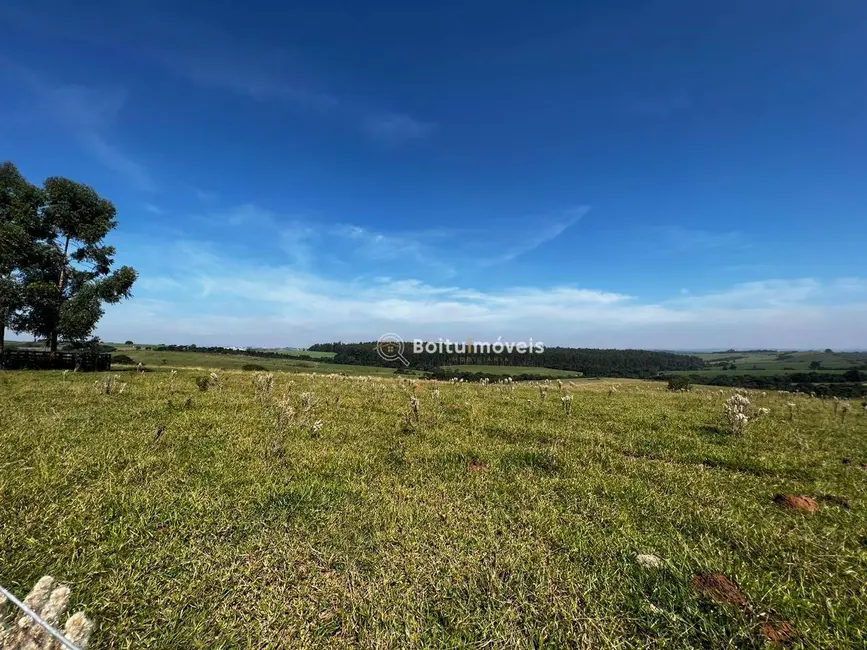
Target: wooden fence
(44,360)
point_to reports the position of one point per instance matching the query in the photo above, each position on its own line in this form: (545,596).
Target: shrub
(122,358)
(255,367)
(679,384)
(203,382)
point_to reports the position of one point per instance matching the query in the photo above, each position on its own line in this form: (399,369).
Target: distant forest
(590,362)
(849,384)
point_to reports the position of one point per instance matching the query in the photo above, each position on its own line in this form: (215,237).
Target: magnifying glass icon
(389,347)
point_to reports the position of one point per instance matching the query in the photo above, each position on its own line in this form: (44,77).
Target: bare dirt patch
(720,589)
(479,466)
(795,502)
(778,631)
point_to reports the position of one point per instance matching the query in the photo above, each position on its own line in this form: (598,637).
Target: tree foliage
(21,229)
(54,254)
(591,362)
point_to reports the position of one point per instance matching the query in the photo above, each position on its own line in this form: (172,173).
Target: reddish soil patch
(720,589)
(794,502)
(778,631)
(479,466)
(452,407)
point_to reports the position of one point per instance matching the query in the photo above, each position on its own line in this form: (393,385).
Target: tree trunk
(60,283)
(2,338)
(63,268)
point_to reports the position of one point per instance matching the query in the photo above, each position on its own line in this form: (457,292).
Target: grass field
(778,363)
(514,371)
(154,359)
(494,520)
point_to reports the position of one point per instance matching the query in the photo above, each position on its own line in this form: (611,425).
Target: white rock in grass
(648,560)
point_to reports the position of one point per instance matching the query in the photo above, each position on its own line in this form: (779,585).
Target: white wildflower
(844,409)
(566,400)
(648,560)
(78,629)
(264,382)
(49,601)
(735,410)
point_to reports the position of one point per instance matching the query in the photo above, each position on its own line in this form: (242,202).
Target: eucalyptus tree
(70,276)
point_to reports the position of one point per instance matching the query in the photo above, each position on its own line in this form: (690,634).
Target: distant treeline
(849,384)
(590,362)
(261,354)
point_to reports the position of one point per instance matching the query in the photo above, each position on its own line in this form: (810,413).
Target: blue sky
(668,174)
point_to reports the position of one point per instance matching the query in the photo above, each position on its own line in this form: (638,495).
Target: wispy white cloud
(154,209)
(85,113)
(115,159)
(546,230)
(692,239)
(444,251)
(394,129)
(763,294)
(257,73)
(204,196)
(374,245)
(205,289)
(212,60)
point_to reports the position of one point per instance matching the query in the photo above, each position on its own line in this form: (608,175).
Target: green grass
(760,371)
(514,371)
(154,359)
(775,363)
(494,521)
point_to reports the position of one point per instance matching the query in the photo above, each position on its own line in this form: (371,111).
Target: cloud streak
(289,305)
(85,113)
(269,74)
(544,233)
(395,129)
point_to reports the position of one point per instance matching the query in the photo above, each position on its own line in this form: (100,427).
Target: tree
(20,230)
(815,365)
(71,277)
